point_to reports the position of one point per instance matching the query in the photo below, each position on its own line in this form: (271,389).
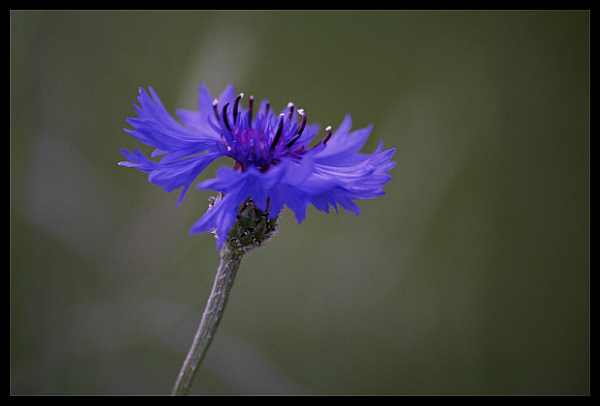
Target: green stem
(230,262)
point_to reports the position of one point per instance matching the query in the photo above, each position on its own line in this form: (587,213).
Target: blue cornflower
(274,164)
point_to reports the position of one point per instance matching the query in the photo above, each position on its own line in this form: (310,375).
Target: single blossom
(274,164)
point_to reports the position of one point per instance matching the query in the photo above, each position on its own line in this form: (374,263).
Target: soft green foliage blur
(470,276)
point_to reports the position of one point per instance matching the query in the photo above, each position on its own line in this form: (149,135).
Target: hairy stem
(230,262)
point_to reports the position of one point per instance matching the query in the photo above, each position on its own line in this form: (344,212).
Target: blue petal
(205,101)
(343,146)
(222,215)
(220,218)
(197,122)
(155,127)
(171,175)
(228,95)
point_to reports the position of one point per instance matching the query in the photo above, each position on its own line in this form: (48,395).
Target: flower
(274,164)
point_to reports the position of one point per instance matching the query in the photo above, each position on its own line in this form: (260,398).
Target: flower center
(263,140)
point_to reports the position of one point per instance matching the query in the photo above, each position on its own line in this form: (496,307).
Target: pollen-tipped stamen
(250,102)
(328,136)
(303,123)
(300,129)
(224,114)
(236,102)
(278,134)
(215,109)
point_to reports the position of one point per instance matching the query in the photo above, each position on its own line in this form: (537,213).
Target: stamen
(289,144)
(278,134)
(250,111)
(236,102)
(267,109)
(291,107)
(215,110)
(225,116)
(328,136)
(303,123)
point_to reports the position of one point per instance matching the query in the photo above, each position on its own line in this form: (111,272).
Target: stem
(230,262)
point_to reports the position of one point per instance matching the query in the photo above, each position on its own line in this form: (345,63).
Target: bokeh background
(469,277)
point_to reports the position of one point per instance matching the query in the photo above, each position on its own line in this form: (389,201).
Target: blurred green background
(470,276)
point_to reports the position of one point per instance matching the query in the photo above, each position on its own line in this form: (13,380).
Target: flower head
(274,165)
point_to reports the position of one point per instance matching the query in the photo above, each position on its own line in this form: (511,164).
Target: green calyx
(252,227)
